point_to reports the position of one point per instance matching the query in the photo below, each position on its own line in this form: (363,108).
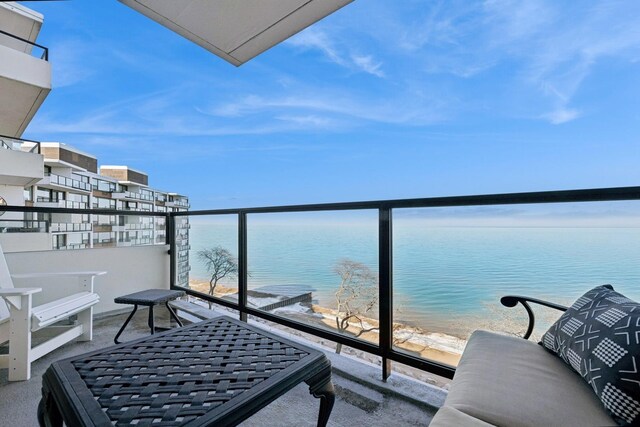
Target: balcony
(20,161)
(25,81)
(68,227)
(282,252)
(63,182)
(47,202)
(355,404)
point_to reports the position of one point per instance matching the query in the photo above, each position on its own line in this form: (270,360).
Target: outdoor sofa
(593,380)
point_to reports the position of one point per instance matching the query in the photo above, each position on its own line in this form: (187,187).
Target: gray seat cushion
(509,381)
(449,417)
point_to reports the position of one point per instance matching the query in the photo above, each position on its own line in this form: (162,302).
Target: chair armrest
(77,280)
(513,300)
(18,292)
(19,298)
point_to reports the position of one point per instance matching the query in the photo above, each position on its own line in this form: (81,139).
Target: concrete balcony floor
(358,403)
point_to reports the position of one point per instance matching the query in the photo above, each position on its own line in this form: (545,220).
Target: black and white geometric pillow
(599,337)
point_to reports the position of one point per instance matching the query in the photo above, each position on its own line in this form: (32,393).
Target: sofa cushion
(599,338)
(509,381)
(448,417)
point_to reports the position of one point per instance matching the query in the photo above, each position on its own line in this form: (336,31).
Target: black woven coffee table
(213,373)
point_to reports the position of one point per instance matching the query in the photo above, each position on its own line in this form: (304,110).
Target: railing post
(171,240)
(385,289)
(242,265)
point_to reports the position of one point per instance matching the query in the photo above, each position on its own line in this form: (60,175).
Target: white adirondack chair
(19,318)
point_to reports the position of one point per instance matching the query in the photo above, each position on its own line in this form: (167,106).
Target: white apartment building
(25,81)
(57,175)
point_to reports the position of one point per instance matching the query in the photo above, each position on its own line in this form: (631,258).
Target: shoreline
(434,346)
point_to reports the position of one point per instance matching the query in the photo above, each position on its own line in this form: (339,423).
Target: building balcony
(62,182)
(62,227)
(177,204)
(25,80)
(138,196)
(138,226)
(20,161)
(45,202)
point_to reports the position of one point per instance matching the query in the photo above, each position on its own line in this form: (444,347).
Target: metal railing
(384,208)
(385,348)
(68,227)
(45,50)
(139,196)
(68,182)
(62,203)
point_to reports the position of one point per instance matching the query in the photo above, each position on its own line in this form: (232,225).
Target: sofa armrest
(513,300)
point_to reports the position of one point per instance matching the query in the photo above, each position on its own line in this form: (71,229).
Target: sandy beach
(429,345)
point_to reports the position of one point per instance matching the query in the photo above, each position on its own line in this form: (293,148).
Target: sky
(381,100)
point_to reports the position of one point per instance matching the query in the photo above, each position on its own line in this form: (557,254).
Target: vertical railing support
(170,229)
(242,265)
(385,288)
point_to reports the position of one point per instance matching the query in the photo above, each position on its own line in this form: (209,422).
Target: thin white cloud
(313,38)
(308,120)
(416,111)
(368,64)
(558,47)
(561,115)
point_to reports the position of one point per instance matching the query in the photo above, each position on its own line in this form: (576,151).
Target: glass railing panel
(452,265)
(317,268)
(207,257)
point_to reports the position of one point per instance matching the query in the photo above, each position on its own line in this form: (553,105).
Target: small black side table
(148,298)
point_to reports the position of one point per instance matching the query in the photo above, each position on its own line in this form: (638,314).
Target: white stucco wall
(23,242)
(14,195)
(128,270)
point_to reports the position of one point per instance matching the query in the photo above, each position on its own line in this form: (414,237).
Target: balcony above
(236,31)
(18,167)
(21,21)
(25,82)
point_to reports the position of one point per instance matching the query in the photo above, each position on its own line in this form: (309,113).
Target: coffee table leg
(48,413)
(321,387)
(151,325)
(135,307)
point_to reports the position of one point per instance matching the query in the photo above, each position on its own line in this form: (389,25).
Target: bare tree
(356,296)
(220,263)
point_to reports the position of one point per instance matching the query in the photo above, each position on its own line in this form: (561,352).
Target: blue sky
(381,100)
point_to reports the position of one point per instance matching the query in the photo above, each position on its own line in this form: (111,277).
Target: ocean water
(445,279)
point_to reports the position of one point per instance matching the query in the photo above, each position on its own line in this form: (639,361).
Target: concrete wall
(128,270)
(13,195)
(24,242)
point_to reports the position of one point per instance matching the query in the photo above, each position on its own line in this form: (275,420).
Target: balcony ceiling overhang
(236,30)
(18,104)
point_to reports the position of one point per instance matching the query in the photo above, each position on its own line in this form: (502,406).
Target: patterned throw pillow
(599,337)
